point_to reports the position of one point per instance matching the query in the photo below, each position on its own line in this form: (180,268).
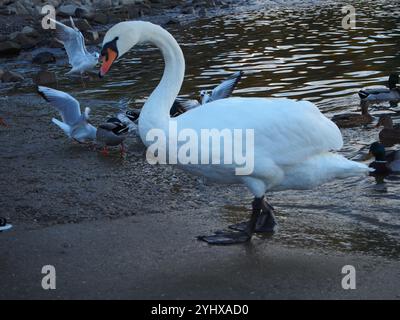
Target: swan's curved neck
(155,112)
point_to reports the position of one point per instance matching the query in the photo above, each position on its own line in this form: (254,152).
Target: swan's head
(117,41)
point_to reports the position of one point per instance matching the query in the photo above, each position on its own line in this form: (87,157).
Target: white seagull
(224,90)
(293,139)
(74,43)
(74,123)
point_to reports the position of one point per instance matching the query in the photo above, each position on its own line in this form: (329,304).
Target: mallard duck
(385,162)
(390,134)
(349,120)
(391,93)
(112,133)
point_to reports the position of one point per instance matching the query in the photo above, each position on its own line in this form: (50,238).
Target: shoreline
(132,259)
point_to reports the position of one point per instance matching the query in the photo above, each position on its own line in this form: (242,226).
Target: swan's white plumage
(286,131)
(293,139)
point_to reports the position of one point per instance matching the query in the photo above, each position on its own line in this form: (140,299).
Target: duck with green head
(390,93)
(385,162)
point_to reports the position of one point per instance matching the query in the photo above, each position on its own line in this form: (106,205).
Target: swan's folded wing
(67,105)
(74,43)
(285,131)
(225,89)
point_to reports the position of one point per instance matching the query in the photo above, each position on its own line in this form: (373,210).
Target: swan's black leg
(266,222)
(225,238)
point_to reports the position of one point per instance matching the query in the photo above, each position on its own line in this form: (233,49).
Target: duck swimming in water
(391,93)
(385,162)
(350,120)
(390,134)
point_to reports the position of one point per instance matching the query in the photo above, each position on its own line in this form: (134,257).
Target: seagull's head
(117,41)
(204,96)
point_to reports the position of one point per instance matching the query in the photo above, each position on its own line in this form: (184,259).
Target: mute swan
(385,162)
(293,139)
(74,43)
(391,93)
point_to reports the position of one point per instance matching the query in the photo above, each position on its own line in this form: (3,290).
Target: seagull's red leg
(104,151)
(122,150)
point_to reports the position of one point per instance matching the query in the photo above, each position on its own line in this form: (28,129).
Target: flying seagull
(74,43)
(74,124)
(181,105)
(222,91)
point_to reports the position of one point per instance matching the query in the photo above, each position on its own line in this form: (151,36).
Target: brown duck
(390,134)
(349,120)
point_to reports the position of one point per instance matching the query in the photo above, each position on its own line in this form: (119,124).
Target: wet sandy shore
(120,228)
(157,257)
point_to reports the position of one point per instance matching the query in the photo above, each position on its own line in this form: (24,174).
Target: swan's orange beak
(106,61)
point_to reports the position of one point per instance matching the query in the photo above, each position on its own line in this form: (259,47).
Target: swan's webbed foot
(266,222)
(241,236)
(226,238)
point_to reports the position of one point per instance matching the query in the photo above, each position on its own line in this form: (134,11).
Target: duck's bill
(107,61)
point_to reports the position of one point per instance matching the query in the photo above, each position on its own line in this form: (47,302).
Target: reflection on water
(301,53)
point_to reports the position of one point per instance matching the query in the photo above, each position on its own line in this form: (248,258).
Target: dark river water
(299,53)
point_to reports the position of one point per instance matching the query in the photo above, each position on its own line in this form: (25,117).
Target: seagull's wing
(67,105)
(182,105)
(131,125)
(225,89)
(73,41)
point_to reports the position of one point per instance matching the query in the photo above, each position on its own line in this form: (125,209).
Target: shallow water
(300,53)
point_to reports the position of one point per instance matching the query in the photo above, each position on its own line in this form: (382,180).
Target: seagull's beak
(107,60)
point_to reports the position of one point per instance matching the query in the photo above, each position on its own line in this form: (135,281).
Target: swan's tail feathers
(363,94)
(349,168)
(66,128)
